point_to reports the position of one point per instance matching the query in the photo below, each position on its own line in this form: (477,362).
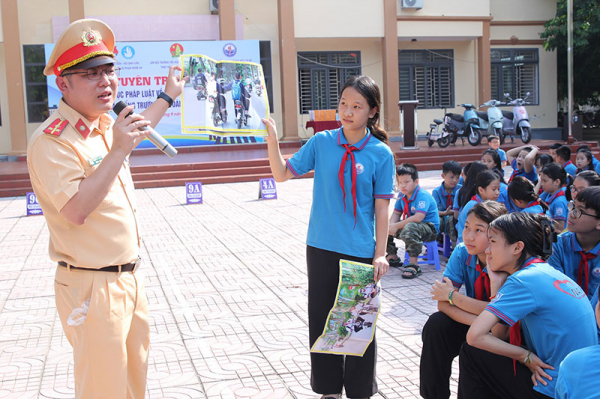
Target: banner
(144,68)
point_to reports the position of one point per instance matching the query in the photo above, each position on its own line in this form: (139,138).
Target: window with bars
(427,76)
(322,75)
(35,83)
(516,72)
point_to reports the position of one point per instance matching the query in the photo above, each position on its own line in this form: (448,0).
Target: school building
(439,52)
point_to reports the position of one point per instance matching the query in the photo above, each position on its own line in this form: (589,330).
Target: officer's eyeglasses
(96,74)
(578,212)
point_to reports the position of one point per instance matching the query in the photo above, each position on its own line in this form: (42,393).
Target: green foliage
(343,331)
(586,52)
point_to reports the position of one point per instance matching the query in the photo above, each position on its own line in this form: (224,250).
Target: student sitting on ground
(522,193)
(415,220)
(584,161)
(486,188)
(554,179)
(463,197)
(563,157)
(444,198)
(522,160)
(446,330)
(553,310)
(493,162)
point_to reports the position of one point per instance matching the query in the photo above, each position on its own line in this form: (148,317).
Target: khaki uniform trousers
(105,318)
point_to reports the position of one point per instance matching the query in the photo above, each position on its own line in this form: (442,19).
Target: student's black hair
(522,189)
(590,198)
(544,159)
(488,211)
(451,166)
(589,156)
(498,168)
(534,230)
(492,137)
(555,146)
(564,151)
(468,189)
(407,169)
(590,176)
(484,179)
(555,171)
(466,168)
(583,147)
(367,87)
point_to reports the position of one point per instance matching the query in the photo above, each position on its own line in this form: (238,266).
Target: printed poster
(350,326)
(223,97)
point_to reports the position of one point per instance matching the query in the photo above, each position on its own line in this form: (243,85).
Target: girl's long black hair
(468,189)
(522,189)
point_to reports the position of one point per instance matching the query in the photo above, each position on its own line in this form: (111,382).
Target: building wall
(454,8)
(5,141)
(522,10)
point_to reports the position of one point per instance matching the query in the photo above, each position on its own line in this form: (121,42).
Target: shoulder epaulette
(56,127)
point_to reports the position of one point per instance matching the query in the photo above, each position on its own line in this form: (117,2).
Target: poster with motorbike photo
(223,97)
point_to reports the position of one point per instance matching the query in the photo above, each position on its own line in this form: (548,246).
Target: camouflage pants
(448,226)
(413,235)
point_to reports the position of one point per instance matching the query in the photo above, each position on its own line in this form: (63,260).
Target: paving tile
(262,387)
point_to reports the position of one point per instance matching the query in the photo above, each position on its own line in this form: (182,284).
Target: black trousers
(486,375)
(442,340)
(329,373)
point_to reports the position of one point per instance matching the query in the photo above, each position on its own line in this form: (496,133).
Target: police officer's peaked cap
(85,43)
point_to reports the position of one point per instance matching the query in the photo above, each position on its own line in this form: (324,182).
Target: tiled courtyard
(226,282)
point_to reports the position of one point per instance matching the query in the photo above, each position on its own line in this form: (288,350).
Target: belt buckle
(138,262)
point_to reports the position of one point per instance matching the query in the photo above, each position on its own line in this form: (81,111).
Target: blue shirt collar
(341,139)
(577,247)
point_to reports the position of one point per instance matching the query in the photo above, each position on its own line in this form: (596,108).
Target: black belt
(128,267)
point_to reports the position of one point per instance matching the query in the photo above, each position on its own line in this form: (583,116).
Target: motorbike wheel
(498,132)
(444,142)
(525,134)
(474,137)
(430,142)
(215,119)
(239,123)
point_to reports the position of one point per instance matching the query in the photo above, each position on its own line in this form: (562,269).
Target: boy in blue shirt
(563,157)
(494,143)
(415,220)
(522,160)
(444,198)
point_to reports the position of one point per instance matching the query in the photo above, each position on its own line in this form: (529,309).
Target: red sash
(583,271)
(348,153)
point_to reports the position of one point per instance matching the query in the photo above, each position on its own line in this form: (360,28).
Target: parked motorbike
(240,114)
(201,93)
(438,134)
(463,126)
(491,121)
(516,123)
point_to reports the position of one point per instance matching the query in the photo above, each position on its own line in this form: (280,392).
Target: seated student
(554,179)
(595,161)
(492,160)
(540,162)
(580,371)
(444,198)
(461,199)
(522,160)
(563,157)
(587,178)
(486,188)
(576,251)
(494,143)
(554,312)
(584,161)
(463,174)
(446,330)
(522,192)
(415,220)
(553,149)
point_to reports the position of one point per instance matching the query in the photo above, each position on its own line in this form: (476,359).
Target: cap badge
(91,38)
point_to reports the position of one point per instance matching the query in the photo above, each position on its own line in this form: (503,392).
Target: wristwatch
(166,97)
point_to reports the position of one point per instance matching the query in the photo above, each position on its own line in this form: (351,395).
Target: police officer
(79,169)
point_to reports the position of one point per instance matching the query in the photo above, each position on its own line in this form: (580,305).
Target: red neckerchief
(405,209)
(448,197)
(559,193)
(515,330)
(567,164)
(349,152)
(533,203)
(584,270)
(482,282)
(476,198)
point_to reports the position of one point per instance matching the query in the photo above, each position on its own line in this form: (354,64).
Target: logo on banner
(229,49)
(128,52)
(267,189)
(193,192)
(176,50)
(33,206)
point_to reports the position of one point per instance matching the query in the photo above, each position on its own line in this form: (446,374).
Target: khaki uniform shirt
(60,154)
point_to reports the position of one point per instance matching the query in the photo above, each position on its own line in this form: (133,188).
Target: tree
(586,52)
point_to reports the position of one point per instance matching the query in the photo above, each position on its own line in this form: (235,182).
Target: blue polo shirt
(420,202)
(462,269)
(570,168)
(442,198)
(596,164)
(557,204)
(503,197)
(502,154)
(532,176)
(331,227)
(462,216)
(565,258)
(535,209)
(579,374)
(594,303)
(548,304)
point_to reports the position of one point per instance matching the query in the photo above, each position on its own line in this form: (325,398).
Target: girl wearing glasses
(587,178)
(554,180)
(553,311)
(576,251)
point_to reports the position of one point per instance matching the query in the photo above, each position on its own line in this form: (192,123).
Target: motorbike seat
(508,115)
(457,117)
(482,115)
(438,121)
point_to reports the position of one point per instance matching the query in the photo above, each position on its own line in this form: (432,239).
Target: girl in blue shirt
(465,193)
(554,179)
(549,315)
(522,192)
(487,188)
(353,184)
(585,179)
(446,330)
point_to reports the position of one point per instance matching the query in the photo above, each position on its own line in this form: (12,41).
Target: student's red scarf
(583,271)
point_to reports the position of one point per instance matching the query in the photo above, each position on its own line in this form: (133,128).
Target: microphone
(154,137)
